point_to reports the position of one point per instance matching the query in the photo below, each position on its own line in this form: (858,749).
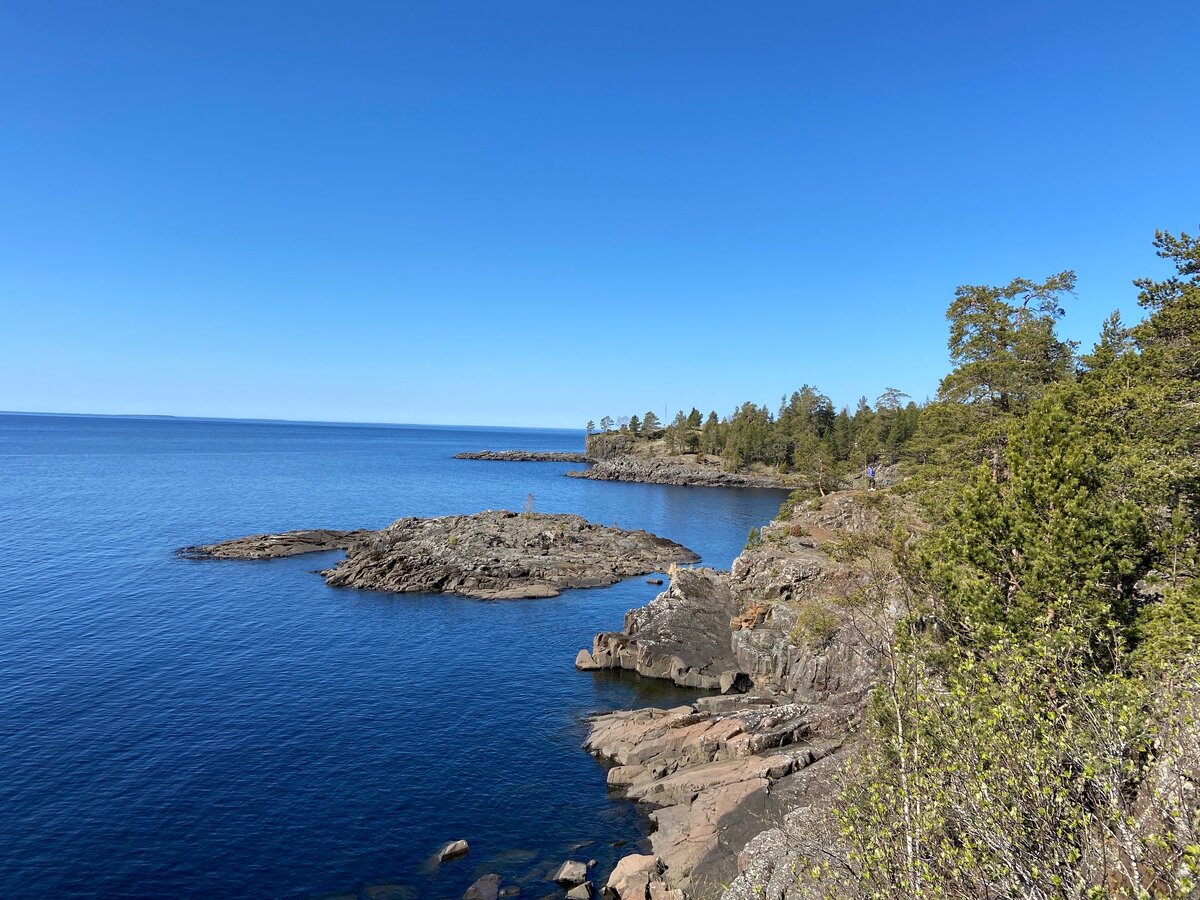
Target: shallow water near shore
(182,728)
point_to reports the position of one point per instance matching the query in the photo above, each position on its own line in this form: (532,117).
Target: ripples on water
(231,728)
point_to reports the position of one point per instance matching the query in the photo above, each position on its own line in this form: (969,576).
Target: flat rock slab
(492,555)
(525,456)
(275,546)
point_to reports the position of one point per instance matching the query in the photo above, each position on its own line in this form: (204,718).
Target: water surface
(180,728)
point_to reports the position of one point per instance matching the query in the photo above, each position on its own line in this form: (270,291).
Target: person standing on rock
(870,476)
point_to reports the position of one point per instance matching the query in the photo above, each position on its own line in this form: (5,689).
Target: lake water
(179,728)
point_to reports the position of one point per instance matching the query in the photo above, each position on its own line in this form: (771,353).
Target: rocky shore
(524,456)
(739,783)
(492,555)
(677,470)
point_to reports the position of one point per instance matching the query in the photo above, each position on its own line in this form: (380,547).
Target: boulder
(584,661)
(570,873)
(453,850)
(631,878)
(580,892)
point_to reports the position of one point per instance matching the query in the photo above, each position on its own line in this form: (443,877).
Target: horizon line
(267,421)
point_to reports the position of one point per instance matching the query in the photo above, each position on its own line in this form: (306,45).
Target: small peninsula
(525,456)
(688,471)
(492,555)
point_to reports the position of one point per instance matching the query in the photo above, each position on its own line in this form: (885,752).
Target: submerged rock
(486,888)
(491,555)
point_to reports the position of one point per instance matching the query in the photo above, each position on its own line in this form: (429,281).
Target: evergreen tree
(676,433)
(1036,718)
(712,440)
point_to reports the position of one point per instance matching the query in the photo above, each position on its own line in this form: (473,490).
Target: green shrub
(814,626)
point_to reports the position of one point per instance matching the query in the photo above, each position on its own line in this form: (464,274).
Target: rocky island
(492,555)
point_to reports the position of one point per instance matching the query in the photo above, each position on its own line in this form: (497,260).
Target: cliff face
(790,637)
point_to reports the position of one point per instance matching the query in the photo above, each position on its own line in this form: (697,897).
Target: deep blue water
(172,728)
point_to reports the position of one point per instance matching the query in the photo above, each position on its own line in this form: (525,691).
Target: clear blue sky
(538,213)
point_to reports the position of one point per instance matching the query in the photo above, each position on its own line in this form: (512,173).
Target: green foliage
(814,625)
(753,539)
(1007,775)
(1047,545)
(1169,630)
(1034,734)
(1005,353)
(805,437)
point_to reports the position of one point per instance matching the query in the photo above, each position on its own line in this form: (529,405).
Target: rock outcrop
(524,456)
(677,470)
(501,555)
(491,555)
(681,635)
(275,546)
(791,634)
(709,771)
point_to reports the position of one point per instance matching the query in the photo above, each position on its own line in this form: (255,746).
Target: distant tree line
(805,435)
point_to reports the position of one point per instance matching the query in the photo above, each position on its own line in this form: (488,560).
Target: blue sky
(536,213)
